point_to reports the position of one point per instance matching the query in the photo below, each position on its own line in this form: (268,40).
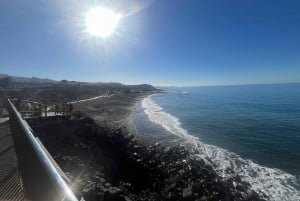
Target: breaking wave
(176,92)
(268,182)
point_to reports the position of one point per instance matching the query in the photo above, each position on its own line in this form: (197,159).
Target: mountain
(26,79)
(41,82)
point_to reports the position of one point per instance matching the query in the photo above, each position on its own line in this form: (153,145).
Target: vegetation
(6,82)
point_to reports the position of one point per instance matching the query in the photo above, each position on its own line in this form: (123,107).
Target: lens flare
(101,22)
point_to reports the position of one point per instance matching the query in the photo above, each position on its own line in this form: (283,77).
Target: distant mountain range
(38,82)
(26,79)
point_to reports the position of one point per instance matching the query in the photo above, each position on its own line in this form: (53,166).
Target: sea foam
(273,183)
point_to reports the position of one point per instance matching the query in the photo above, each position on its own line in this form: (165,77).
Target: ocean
(253,130)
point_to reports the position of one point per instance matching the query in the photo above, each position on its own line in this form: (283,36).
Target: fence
(42,182)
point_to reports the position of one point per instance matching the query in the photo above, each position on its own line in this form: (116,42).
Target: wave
(176,92)
(271,182)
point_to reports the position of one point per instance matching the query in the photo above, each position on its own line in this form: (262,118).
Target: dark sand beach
(105,159)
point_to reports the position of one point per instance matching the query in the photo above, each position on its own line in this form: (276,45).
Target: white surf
(274,183)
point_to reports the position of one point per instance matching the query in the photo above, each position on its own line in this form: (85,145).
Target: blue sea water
(252,129)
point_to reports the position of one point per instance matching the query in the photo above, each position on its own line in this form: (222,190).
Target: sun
(101,22)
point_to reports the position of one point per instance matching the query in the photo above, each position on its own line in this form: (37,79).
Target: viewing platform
(11,184)
(27,170)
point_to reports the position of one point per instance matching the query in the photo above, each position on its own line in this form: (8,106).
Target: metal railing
(42,181)
(34,109)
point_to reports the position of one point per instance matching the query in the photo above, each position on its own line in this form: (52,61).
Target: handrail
(41,179)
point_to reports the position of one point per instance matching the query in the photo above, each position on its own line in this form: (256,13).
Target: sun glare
(101,22)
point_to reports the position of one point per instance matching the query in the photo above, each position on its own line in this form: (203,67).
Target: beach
(104,157)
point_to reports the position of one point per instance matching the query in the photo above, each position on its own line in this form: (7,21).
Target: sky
(159,42)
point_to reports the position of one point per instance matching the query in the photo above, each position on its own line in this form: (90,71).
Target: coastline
(269,183)
(106,159)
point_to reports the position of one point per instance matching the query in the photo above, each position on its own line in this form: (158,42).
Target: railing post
(46,109)
(40,110)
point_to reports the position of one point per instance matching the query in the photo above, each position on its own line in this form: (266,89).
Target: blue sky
(162,42)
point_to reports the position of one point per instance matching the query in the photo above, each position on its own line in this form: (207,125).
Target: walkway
(10,179)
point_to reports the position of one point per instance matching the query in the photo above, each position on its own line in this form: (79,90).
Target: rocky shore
(105,159)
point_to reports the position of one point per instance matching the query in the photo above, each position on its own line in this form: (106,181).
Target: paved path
(89,99)
(10,180)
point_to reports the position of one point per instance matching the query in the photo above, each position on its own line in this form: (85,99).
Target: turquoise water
(252,129)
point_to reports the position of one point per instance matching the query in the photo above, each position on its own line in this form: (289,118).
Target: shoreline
(114,162)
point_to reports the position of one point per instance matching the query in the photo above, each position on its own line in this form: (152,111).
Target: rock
(187,192)
(113,194)
(114,190)
(171,186)
(89,187)
(203,198)
(253,196)
(126,198)
(108,185)
(102,180)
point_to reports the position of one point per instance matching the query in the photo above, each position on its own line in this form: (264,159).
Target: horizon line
(155,85)
(223,85)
